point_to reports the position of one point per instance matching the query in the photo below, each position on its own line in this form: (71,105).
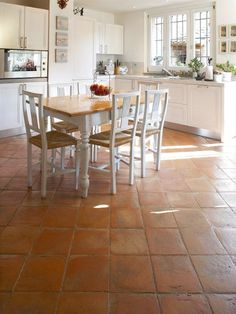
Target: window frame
(165,14)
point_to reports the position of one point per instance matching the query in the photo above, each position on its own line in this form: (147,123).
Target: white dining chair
(115,137)
(35,125)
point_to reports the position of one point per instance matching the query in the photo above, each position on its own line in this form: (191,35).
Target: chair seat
(55,139)
(103,139)
(64,126)
(150,130)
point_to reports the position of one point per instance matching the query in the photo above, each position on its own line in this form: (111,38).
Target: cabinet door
(99,37)
(83,48)
(113,39)
(10,107)
(205,107)
(177,113)
(36,28)
(177,92)
(124,85)
(11,26)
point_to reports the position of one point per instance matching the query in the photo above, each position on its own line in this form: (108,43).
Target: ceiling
(117,6)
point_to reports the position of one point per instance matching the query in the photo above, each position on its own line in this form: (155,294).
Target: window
(177,38)
(157,41)
(202,36)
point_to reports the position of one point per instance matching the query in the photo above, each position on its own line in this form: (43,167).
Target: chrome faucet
(166,71)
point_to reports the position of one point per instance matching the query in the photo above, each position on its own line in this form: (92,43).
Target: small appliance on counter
(109,67)
(23,63)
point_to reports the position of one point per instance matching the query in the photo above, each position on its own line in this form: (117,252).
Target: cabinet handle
(22,42)
(202,86)
(25,42)
(21,87)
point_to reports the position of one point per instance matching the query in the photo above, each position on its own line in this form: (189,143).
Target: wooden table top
(74,106)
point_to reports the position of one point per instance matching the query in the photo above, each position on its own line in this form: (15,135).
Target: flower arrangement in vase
(195,64)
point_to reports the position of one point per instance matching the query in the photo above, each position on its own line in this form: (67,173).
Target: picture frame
(61,39)
(62,23)
(232,30)
(223,46)
(232,46)
(223,31)
(61,55)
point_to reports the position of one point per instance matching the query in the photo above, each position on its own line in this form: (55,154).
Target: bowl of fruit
(99,90)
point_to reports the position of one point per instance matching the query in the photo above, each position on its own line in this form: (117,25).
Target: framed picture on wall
(61,39)
(232,30)
(223,31)
(232,46)
(62,23)
(223,46)
(61,55)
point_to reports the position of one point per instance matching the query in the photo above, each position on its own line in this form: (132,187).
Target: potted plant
(218,75)
(227,68)
(195,64)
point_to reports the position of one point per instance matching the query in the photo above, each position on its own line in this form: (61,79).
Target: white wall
(63,72)
(225,14)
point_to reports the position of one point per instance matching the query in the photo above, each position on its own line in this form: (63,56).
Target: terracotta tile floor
(165,245)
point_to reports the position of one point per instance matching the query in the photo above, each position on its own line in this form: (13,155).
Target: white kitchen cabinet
(23,27)
(11,118)
(109,38)
(177,111)
(204,107)
(83,50)
(123,84)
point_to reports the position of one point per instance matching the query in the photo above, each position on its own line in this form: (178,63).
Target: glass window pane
(202,35)
(157,41)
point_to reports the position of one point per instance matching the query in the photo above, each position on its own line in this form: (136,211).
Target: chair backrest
(34,115)
(148,84)
(122,104)
(156,102)
(60,89)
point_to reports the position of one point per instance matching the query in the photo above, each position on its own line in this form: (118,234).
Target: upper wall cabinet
(23,27)
(109,38)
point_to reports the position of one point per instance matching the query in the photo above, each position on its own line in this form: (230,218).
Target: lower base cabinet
(11,118)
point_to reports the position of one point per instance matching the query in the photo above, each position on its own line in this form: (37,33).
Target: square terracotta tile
(202,240)
(210,200)
(215,173)
(227,237)
(53,242)
(231,173)
(181,304)
(200,185)
(92,241)
(87,273)
(6,214)
(174,185)
(217,273)
(229,198)
(17,239)
(149,185)
(60,217)
(4,300)
(27,302)
(158,199)
(220,217)
(126,218)
(175,274)
(83,302)
(96,201)
(10,267)
(71,198)
(33,198)
(182,199)
(125,200)
(165,241)
(42,273)
(158,217)
(223,303)
(190,217)
(4,181)
(29,215)
(12,198)
(131,274)
(226,185)
(134,303)
(131,242)
(91,217)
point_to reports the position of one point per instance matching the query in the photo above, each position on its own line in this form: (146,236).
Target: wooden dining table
(85,112)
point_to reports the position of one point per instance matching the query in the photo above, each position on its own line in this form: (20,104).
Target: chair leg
(29,164)
(113,170)
(77,167)
(44,174)
(53,159)
(117,161)
(63,150)
(131,164)
(143,155)
(158,158)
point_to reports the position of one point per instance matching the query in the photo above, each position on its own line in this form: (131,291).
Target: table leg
(84,157)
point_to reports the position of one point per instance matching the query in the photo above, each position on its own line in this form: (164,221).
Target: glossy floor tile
(165,245)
